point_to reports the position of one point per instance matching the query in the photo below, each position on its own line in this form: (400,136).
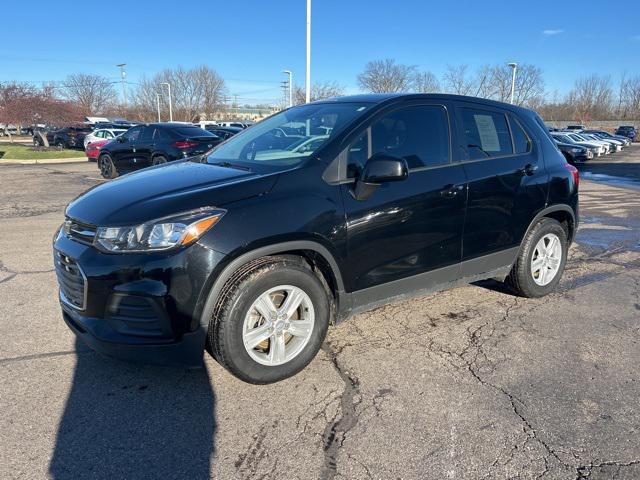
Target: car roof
(379,98)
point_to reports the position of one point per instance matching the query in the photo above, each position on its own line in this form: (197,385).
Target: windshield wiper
(230,165)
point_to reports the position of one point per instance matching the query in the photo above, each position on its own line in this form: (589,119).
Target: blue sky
(249,42)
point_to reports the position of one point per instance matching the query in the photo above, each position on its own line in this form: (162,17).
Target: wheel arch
(320,259)
(563,213)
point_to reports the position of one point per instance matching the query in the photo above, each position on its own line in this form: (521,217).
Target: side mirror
(121,139)
(380,168)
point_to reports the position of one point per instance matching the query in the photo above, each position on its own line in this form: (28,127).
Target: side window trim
(512,118)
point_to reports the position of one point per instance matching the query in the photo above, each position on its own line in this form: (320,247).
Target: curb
(42,161)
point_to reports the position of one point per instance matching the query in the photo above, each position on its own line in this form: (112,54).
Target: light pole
(158,105)
(290,73)
(514,66)
(170,105)
(123,74)
(308,81)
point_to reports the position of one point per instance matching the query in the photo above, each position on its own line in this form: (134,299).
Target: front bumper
(140,307)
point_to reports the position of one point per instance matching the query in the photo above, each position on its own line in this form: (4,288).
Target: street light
(170,106)
(123,75)
(290,73)
(158,105)
(514,66)
(308,81)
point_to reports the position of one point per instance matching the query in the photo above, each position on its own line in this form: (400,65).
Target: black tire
(158,160)
(520,279)
(107,167)
(225,341)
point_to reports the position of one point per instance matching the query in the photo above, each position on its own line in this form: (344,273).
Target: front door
(412,226)
(123,149)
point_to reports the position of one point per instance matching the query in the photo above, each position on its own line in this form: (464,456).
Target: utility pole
(514,66)
(290,73)
(170,101)
(308,81)
(123,75)
(158,105)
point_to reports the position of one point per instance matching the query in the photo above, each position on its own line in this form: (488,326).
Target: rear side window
(192,132)
(486,134)
(521,140)
(419,134)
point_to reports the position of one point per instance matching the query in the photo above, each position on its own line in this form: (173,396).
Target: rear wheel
(107,167)
(540,263)
(271,320)
(158,160)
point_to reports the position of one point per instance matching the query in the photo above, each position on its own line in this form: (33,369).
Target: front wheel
(272,320)
(107,167)
(158,160)
(540,263)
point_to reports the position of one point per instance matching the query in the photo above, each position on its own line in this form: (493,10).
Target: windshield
(289,137)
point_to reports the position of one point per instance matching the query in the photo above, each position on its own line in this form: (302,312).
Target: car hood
(166,190)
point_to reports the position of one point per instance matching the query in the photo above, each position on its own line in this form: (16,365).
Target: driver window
(419,134)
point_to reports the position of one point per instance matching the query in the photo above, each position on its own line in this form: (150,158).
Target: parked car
(628,131)
(232,124)
(67,137)
(576,127)
(574,153)
(255,258)
(120,124)
(606,135)
(223,132)
(153,144)
(614,145)
(102,134)
(606,145)
(567,137)
(93,149)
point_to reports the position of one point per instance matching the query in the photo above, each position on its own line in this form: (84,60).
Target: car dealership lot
(469,383)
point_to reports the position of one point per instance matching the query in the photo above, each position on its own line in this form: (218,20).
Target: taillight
(574,172)
(185,144)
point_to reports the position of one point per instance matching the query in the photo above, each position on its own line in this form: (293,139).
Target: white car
(103,134)
(616,145)
(568,137)
(579,138)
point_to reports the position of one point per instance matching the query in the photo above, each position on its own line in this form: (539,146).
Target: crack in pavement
(14,273)
(335,433)
(584,471)
(35,356)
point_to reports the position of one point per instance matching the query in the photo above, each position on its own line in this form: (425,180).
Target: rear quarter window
(192,132)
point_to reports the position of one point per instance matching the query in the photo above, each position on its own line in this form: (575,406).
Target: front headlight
(157,235)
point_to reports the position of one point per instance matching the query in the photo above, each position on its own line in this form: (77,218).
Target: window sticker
(488,134)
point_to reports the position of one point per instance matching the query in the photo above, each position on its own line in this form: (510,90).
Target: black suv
(252,251)
(153,144)
(67,137)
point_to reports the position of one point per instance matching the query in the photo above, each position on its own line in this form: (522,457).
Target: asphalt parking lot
(469,383)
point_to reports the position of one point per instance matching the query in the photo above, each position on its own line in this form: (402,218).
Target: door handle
(450,191)
(529,169)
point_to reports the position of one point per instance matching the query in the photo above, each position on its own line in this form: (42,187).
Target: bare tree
(23,104)
(92,93)
(483,84)
(426,82)
(591,97)
(629,97)
(194,92)
(319,91)
(384,76)
(457,81)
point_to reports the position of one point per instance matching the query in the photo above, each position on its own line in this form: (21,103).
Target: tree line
(201,93)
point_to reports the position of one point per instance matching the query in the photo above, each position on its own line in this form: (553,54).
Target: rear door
(123,152)
(412,226)
(507,183)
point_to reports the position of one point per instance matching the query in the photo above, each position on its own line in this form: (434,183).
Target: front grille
(71,280)
(82,232)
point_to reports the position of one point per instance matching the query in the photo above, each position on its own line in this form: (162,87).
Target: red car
(93,149)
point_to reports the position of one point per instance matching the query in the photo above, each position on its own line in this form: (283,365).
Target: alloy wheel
(546,259)
(278,325)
